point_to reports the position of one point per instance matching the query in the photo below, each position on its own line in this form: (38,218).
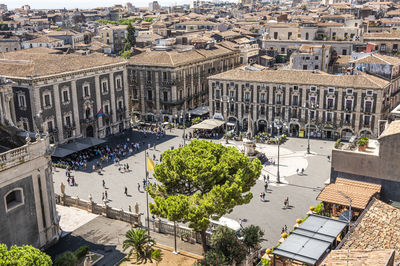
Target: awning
(199,111)
(81,144)
(208,124)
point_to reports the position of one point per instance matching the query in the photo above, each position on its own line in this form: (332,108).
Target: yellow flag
(150,164)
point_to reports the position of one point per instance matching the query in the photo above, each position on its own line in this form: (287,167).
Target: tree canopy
(25,255)
(130,39)
(206,180)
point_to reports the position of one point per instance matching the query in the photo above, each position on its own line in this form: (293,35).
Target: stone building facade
(27,200)
(65,94)
(331,106)
(164,82)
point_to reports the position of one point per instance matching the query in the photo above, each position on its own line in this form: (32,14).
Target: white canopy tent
(208,124)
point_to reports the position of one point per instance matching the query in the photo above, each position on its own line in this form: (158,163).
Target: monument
(249,145)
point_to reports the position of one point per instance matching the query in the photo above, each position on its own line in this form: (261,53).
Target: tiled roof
(382,35)
(359,192)
(44,39)
(377,228)
(174,58)
(303,77)
(378,59)
(43,61)
(392,129)
(358,257)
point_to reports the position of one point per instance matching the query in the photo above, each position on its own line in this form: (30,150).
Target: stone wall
(105,210)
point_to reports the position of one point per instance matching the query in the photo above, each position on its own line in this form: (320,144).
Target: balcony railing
(70,126)
(90,120)
(121,110)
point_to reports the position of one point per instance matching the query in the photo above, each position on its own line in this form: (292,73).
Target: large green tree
(25,255)
(208,178)
(130,39)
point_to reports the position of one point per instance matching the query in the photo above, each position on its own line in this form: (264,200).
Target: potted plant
(240,136)
(257,138)
(362,144)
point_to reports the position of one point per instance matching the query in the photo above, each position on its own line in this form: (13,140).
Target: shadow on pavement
(72,243)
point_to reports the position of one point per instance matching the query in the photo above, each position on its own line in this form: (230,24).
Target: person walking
(102,196)
(302,171)
(144,184)
(126,191)
(266,187)
(105,195)
(264,178)
(127,167)
(297,171)
(263,196)
(73,181)
(267,178)
(104,184)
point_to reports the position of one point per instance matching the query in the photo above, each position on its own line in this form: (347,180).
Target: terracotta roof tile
(378,228)
(303,77)
(359,192)
(358,257)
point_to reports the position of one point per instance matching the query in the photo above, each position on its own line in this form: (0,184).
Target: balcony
(148,82)
(176,102)
(121,109)
(278,103)
(247,100)
(168,82)
(69,126)
(52,131)
(87,121)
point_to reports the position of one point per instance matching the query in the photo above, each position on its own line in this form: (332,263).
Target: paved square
(269,215)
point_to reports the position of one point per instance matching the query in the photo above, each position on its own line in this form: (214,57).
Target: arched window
(88,113)
(13,199)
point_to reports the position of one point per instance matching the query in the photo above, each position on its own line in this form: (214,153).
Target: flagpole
(147,194)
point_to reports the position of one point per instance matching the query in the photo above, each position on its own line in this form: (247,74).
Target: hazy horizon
(70,4)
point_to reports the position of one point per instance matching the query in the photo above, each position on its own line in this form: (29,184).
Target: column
(142,81)
(45,198)
(304,103)
(76,108)
(126,96)
(357,113)
(99,105)
(157,92)
(287,98)
(38,209)
(239,104)
(270,102)
(35,104)
(255,107)
(113,105)
(59,116)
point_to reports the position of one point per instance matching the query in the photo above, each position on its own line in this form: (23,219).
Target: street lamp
(279,124)
(311,105)
(348,221)
(183,116)
(227,101)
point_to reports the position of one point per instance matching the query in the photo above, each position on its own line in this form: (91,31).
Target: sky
(56,4)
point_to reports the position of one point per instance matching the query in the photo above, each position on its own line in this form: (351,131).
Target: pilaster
(59,116)
(76,108)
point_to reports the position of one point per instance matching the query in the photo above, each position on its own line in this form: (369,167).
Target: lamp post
(183,116)
(348,221)
(227,101)
(279,124)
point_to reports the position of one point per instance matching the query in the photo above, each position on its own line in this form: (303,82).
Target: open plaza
(269,214)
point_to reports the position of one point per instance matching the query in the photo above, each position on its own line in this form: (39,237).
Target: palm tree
(140,243)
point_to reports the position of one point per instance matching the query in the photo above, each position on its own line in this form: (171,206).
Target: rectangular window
(349,91)
(68,121)
(347,118)
(21,100)
(349,105)
(295,100)
(65,96)
(329,117)
(106,109)
(367,120)
(86,91)
(231,94)
(331,90)
(164,76)
(50,126)
(217,94)
(368,106)
(104,86)
(247,96)
(263,97)
(119,83)
(330,103)
(312,114)
(149,95)
(47,102)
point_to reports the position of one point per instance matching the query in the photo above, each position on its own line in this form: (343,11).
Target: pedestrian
(240,222)
(329,158)
(126,191)
(130,208)
(119,168)
(144,183)
(286,230)
(73,181)
(268,178)
(302,171)
(105,195)
(263,196)
(127,167)
(297,171)
(102,196)
(266,187)
(104,184)
(154,157)
(138,187)
(283,230)
(264,178)
(68,180)
(124,168)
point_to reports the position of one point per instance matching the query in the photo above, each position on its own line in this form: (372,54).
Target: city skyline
(43,4)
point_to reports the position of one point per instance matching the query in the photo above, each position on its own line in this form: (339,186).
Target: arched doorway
(89,131)
(346,134)
(262,126)
(294,129)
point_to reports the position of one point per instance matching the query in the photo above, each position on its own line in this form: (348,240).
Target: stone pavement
(269,215)
(72,218)
(105,236)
